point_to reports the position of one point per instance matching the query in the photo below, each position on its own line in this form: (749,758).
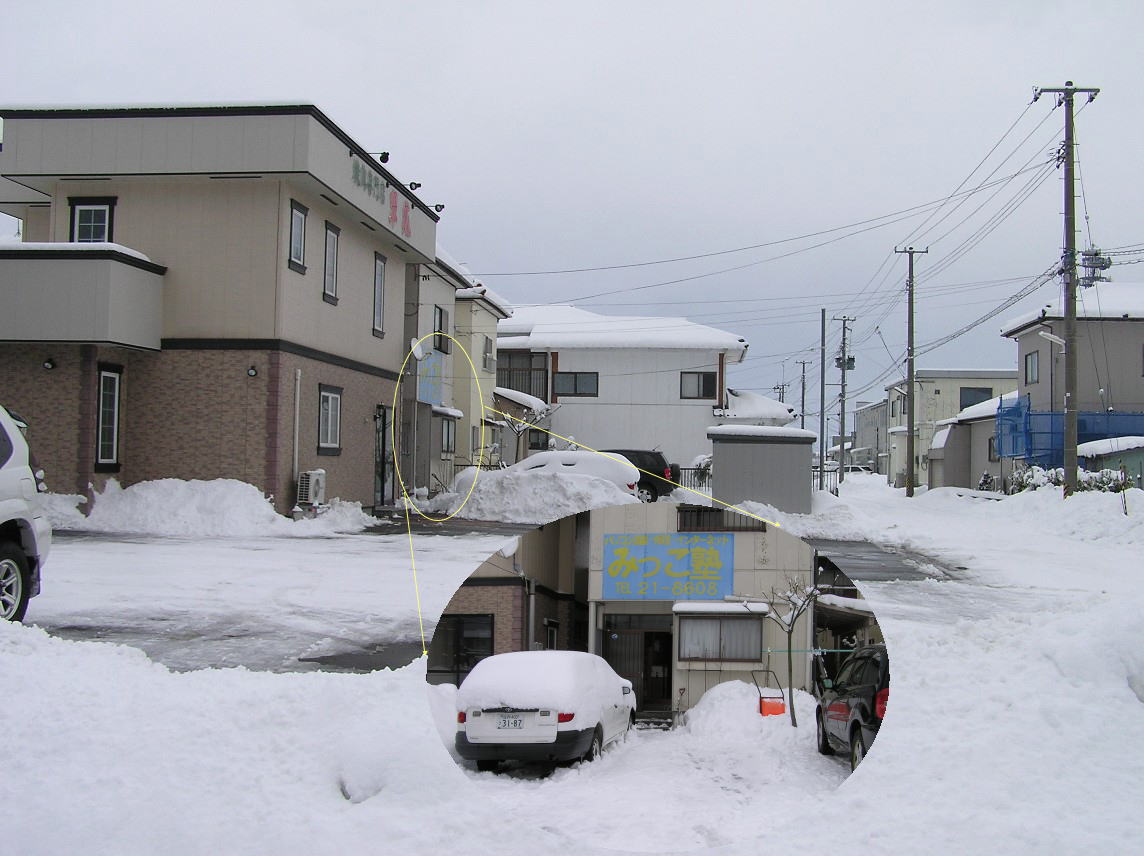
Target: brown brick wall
(505,603)
(193,414)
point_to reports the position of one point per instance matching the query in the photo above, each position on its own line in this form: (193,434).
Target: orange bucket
(771,707)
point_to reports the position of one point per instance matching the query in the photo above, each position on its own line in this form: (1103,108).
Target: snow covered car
(615,469)
(541,706)
(25,534)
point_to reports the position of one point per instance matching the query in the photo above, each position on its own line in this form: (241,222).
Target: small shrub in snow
(1031,478)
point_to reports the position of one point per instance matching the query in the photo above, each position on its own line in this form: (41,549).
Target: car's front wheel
(823,741)
(857,748)
(13,583)
(646,492)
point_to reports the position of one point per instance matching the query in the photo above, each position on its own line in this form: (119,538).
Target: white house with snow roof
(964,447)
(620,381)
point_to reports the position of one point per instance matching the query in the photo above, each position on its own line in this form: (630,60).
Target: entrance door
(642,656)
(383,458)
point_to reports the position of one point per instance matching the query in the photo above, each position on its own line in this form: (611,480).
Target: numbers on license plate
(510,722)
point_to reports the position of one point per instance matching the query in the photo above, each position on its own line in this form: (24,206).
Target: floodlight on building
(413,185)
(1045,334)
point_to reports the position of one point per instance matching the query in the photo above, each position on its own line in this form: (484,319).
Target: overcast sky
(589,135)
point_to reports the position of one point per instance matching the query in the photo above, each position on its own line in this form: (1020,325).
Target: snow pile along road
(219,507)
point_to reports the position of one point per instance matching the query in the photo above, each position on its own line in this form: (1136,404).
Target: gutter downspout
(297,405)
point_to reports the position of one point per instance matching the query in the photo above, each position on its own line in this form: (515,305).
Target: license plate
(510,722)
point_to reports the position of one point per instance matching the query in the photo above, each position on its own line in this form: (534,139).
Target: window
(378,294)
(459,643)
(489,357)
(537,440)
(330,270)
(441,340)
(448,437)
(697,384)
(893,407)
(107,430)
(1032,367)
(971,395)
(524,372)
(719,638)
(993,456)
(329,420)
(297,260)
(91,218)
(475,442)
(576,383)
(551,635)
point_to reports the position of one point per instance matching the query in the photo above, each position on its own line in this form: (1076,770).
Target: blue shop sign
(675,566)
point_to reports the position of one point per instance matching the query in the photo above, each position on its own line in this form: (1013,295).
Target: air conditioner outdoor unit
(312,487)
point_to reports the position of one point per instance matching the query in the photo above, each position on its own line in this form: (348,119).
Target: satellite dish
(415,349)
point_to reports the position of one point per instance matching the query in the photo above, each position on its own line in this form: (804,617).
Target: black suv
(852,706)
(656,474)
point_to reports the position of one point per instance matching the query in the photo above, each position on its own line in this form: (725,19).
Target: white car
(547,706)
(610,467)
(614,468)
(25,534)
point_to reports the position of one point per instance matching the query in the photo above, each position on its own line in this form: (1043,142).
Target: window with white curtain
(720,638)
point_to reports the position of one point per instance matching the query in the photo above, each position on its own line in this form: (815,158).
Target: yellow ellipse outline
(393,428)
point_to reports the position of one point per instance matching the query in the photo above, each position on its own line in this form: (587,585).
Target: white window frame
(489,358)
(379,294)
(297,254)
(329,418)
(76,214)
(441,341)
(330,265)
(114,379)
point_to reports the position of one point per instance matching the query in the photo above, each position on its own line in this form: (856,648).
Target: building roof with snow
(1108,446)
(554,328)
(746,406)
(981,410)
(1109,301)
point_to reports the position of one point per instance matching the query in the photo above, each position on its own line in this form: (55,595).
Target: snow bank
(217,508)
(524,497)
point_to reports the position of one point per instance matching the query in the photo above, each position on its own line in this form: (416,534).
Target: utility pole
(802,405)
(780,388)
(822,404)
(1068,271)
(843,362)
(910,369)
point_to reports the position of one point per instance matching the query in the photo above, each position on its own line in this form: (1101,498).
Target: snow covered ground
(1017,706)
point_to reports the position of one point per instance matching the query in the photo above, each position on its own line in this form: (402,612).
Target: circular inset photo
(695,660)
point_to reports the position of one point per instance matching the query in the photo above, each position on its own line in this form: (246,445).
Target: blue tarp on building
(1037,436)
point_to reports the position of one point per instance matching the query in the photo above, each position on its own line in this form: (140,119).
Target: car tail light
(667,473)
(564,717)
(460,717)
(880,703)
(632,487)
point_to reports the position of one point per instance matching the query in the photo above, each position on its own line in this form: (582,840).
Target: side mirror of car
(827,683)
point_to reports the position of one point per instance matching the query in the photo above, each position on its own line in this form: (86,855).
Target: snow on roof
(939,438)
(898,429)
(845,603)
(1105,300)
(483,292)
(558,327)
(743,404)
(71,246)
(451,412)
(759,431)
(984,408)
(530,402)
(1108,446)
(709,607)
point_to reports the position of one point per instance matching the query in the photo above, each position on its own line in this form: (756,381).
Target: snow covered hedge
(1035,477)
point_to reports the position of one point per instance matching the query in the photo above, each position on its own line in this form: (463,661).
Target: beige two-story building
(206,292)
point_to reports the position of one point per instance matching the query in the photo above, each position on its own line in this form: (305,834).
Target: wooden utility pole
(1068,273)
(910,368)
